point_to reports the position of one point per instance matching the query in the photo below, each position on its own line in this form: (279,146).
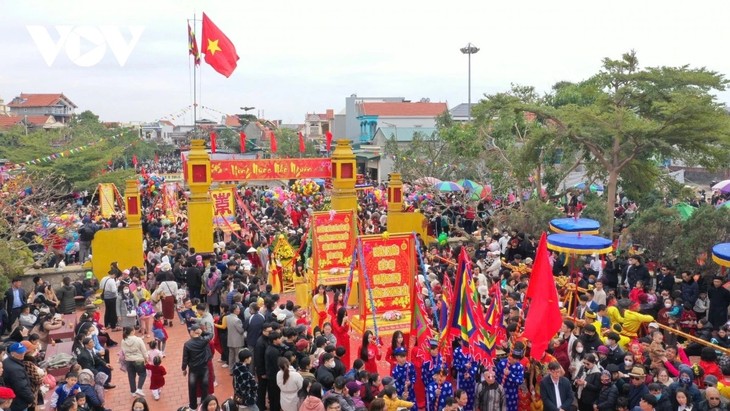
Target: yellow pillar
(343,177)
(398,220)
(132,204)
(200,207)
(344,196)
(395,194)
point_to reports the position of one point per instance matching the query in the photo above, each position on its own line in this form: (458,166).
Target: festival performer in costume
(341,331)
(369,352)
(438,390)
(319,307)
(404,375)
(397,341)
(512,375)
(433,363)
(467,372)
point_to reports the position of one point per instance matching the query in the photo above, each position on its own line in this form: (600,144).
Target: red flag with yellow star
(219,52)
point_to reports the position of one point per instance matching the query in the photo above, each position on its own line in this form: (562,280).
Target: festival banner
(106,199)
(390,264)
(270,169)
(333,245)
(224,208)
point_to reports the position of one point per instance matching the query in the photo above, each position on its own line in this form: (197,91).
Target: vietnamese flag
(242,136)
(543,317)
(212,142)
(302,147)
(219,52)
(329,140)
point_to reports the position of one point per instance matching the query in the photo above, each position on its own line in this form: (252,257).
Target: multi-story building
(56,105)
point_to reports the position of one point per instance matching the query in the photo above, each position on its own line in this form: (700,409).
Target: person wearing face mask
(590,338)
(490,395)
(607,393)
(685,381)
(588,383)
(627,365)
(663,403)
(126,307)
(324,373)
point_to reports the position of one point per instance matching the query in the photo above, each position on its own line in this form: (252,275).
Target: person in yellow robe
(319,307)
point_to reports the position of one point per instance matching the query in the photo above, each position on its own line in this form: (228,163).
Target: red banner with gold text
(332,245)
(271,169)
(390,263)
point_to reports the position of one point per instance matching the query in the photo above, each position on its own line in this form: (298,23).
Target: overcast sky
(298,56)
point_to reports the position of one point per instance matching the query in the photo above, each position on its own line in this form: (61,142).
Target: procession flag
(213,142)
(543,317)
(329,140)
(193,46)
(272,138)
(219,51)
(421,324)
(302,147)
(243,141)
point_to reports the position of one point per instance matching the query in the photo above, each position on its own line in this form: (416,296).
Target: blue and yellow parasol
(721,254)
(581,244)
(574,225)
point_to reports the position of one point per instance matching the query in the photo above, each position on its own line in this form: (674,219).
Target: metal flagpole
(195,84)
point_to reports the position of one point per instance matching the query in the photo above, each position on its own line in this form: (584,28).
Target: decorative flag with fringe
(302,146)
(272,138)
(421,324)
(543,317)
(242,135)
(467,320)
(193,46)
(213,146)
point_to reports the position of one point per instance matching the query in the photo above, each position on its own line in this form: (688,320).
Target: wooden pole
(693,338)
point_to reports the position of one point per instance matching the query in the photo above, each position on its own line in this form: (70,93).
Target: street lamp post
(469,49)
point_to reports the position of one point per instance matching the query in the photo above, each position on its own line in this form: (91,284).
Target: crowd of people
(623,345)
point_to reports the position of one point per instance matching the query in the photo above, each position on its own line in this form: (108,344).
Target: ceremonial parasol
(721,254)
(468,185)
(581,244)
(448,186)
(574,225)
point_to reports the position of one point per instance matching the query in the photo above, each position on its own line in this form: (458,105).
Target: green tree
(707,226)
(532,217)
(287,141)
(655,229)
(625,115)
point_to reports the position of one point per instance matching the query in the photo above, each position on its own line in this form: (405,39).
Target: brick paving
(175,392)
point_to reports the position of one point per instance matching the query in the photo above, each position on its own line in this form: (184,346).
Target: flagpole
(195,88)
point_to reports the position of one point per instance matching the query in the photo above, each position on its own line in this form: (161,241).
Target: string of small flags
(69,152)
(177,114)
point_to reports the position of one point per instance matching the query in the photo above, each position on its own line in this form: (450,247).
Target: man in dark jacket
(254,325)
(87,358)
(259,361)
(556,391)
(665,279)
(271,362)
(86,235)
(690,289)
(196,354)
(611,272)
(636,271)
(15,297)
(16,378)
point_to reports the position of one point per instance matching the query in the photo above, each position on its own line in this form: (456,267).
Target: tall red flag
(543,317)
(134,160)
(272,138)
(243,142)
(329,140)
(302,147)
(212,142)
(157,158)
(193,45)
(219,51)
